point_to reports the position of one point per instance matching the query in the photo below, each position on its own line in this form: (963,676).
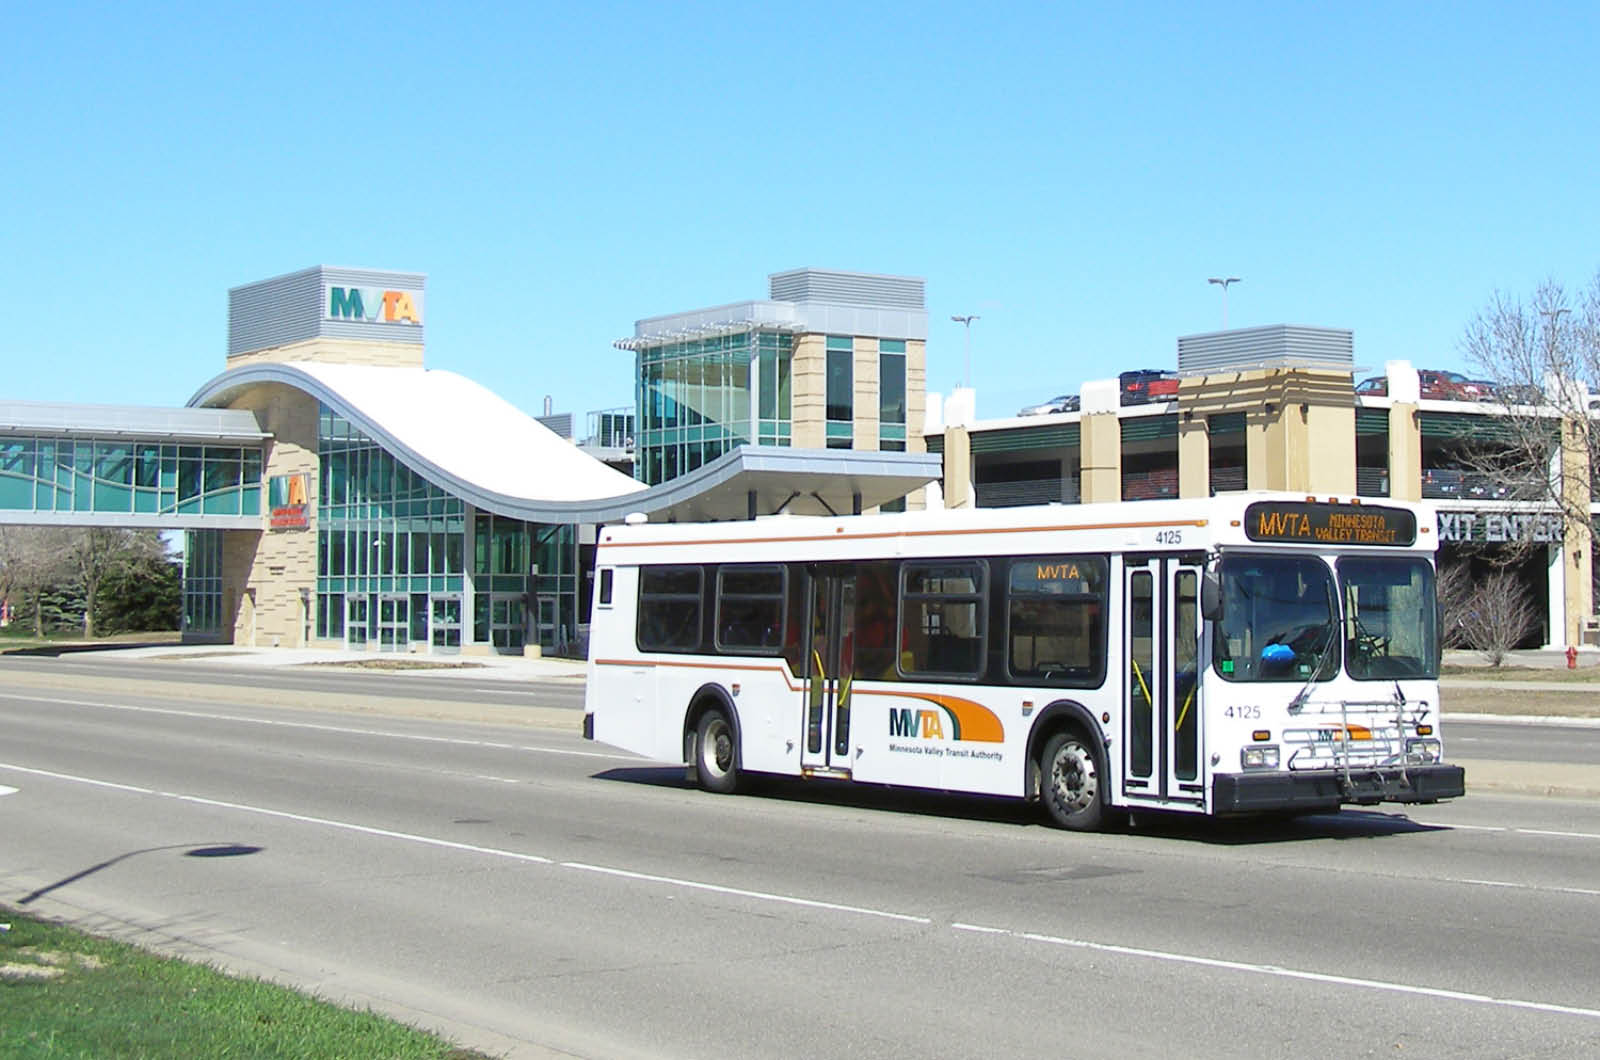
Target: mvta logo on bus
(923,724)
(374,305)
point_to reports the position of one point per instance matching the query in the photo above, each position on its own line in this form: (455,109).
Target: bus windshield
(1278,620)
(1390,619)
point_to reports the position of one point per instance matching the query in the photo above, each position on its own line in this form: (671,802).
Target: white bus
(1242,654)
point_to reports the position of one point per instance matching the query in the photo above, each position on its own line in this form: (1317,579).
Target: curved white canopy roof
(452,431)
(473,443)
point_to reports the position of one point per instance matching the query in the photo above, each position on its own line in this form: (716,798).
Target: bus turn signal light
(1261,735)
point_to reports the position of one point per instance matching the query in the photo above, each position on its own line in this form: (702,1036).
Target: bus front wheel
(1070,782)
(716,755)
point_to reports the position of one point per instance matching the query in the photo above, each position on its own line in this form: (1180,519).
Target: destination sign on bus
(1329,524)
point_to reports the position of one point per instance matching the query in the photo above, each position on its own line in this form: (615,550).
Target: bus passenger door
(1161,689)
(830,666)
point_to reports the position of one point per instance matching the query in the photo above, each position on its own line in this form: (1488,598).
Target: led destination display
(1330,524)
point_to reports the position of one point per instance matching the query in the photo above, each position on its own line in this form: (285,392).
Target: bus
(1242,654)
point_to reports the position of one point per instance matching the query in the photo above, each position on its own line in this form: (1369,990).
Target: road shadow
(55,651)
(994,809)
(204,850)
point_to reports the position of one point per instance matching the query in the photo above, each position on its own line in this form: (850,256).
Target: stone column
(1194,456)
(958,468)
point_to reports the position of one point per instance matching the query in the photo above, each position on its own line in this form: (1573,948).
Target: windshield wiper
(1300,697)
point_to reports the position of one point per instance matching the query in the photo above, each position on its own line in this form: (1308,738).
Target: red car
(1453,386)
(1434,384)
(1144,385)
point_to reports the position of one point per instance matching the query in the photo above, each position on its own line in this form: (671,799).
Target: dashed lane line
(1136,952)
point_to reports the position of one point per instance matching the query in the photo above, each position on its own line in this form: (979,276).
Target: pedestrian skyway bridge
(113,465)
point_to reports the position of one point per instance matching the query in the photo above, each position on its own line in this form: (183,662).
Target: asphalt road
(534,894)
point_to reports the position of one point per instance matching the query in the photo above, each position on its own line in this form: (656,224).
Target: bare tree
(1455,591)
(30,561)
(1543,357)
(94,553)
(1497,615)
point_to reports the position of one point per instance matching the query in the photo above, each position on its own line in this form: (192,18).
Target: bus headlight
(1261,756)
(1423,750)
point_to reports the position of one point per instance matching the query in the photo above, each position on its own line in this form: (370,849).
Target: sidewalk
(466,667)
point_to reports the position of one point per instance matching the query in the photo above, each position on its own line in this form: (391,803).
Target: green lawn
(67,994)
(1587,674)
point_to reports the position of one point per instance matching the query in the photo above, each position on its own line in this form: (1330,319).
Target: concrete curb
(1556,780)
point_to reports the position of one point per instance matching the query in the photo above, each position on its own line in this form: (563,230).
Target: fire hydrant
(1572,657)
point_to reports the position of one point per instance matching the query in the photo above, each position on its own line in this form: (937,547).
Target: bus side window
(607,577)
(750,609)
(1055,620)
(669,608)
(942,618)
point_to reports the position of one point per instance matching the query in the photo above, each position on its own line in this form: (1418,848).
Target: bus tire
(716,753)
(1070,777)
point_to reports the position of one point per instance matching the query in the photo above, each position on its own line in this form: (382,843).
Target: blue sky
(1071,173)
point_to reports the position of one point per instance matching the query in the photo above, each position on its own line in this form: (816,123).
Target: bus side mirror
(1210,597)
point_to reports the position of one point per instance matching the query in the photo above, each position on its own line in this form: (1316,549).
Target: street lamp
(1223,283)
(967,321)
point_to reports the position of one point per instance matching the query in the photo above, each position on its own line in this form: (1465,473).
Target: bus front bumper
(1328,789)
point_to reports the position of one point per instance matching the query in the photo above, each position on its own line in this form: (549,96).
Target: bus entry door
(1161,688)
(830,666)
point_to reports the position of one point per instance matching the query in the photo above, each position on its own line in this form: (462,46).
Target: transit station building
(336,491)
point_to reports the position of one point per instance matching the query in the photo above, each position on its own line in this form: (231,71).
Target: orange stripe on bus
(909,533)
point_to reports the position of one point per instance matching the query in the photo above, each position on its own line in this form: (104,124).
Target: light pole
(967,321)
(1223,283)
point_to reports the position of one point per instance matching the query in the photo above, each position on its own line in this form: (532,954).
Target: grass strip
(1587,675)
(65,993)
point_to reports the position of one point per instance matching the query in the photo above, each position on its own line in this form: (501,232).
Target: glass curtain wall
(392,560)
(94,475)
(512,605)
(202,582)
(699,398)
(389,545)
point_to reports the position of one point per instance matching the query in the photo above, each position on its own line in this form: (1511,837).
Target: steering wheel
(1368,644)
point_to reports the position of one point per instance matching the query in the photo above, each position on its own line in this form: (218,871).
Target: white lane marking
(1054,940)
(1560,835)
(1525,886)
(980,929)
(1313,977)
(77,780)
(506,691)
(1507,828)
(7,791)
(763,896)
(410,837)
(314,726)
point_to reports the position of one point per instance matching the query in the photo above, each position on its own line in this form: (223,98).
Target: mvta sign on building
(322,303)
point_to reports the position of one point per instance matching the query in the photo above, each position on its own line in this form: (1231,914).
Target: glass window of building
(892,381)
(841,379)
(697,399)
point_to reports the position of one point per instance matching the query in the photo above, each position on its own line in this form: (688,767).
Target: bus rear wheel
(1070,782)
(716,754)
